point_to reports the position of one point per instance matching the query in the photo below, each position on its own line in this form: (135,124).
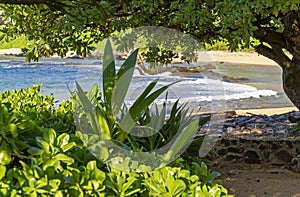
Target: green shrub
(37,160)
(42,154)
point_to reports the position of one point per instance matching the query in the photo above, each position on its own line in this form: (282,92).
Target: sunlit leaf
(108,72)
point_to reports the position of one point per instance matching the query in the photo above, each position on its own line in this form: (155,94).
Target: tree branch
(277,42)
(270,36)
(274,53)
(27,2)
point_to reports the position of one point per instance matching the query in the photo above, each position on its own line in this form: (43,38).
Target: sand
(12,51)
(239,58)
(266,111)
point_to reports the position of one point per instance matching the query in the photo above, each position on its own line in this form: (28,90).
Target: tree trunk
(291,82)
(289,39)
(291,71)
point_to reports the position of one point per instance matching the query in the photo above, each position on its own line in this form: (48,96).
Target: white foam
(202,89)
(253,94)
(7,66)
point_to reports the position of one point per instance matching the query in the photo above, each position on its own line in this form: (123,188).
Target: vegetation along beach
(149,98)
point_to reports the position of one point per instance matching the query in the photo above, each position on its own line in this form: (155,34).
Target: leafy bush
(42,154)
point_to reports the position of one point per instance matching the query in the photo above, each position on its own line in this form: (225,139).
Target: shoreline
(224,58)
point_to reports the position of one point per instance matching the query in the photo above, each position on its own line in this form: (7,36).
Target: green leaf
(49,135)
(2,171)
(54,162)
(133,192)
(142,102)
(109,72)
(123,80)
(44,145)
(68,146)
(92,165)
(35,151)
(63,139)
(95,172)
(176,187)
(129,183)
(54,183)
(203,169)
(5,153)
(13,130)
(4,114)
(128,65)
(99,125)
(93,93)
(182,140)
(64,158)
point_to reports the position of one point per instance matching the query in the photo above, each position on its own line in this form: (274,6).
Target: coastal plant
(56,162)
(114,127)
(22,113)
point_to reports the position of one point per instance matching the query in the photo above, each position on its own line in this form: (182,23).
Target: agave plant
(117,126)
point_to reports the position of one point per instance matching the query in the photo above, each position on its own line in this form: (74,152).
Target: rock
(75,57)
(294,117)
(251,157)
(261,124)
(184,69)
(294,164)
(234,79)
(122,57)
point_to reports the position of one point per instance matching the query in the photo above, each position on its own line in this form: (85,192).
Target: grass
(19,42)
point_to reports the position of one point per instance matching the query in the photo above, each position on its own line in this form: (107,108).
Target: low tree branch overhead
(27,2)
(275,54)
(269,36)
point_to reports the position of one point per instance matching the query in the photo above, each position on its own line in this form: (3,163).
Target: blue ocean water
(58,76)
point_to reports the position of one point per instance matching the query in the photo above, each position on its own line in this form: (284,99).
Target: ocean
(260,87)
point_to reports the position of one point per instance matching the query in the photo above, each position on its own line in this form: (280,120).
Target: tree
(60,25)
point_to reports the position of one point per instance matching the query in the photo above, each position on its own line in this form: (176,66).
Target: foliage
(20,122)
(54,162)
(59,26)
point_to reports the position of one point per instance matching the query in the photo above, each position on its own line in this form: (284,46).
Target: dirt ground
(245,180)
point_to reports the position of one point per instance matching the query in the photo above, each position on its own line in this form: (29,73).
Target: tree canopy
(58,26)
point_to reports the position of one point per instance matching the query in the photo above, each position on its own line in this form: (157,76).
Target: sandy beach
(239,58)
